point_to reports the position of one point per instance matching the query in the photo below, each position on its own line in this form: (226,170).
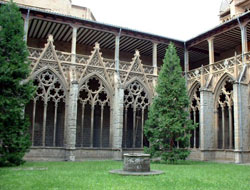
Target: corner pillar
(240,98)
(71,124)
(117,107)
(206,123)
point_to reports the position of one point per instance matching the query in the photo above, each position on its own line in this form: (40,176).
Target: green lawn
(95,175)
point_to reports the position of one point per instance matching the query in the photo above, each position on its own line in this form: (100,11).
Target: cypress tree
(168,127)
(14,92)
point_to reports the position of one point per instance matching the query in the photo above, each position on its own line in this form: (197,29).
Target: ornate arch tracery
(93,123)
(194,109)
(224,114)
(47,110)
(136,102)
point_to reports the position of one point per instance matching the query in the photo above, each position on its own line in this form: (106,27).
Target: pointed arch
(48,117)
(193,87)
(49,59)
(94,112)
(219,84)
(97,75)
(224,112)
(62,79)
(147,89)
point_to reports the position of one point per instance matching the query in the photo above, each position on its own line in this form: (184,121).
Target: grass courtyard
(94,175)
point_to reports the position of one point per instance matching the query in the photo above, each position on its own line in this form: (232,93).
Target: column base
(69,155)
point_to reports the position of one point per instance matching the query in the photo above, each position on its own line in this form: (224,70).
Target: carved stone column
(117,107)
(206,123)
(71,124)
(240,98)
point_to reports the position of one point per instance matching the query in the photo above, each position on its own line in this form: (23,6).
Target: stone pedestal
(136,162)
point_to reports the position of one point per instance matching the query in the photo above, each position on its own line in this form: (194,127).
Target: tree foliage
(14,92)
(168,127)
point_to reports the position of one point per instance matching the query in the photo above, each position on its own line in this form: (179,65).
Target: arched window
(93,114)
(47,111)
(225,115)
(194,115)
(136,104)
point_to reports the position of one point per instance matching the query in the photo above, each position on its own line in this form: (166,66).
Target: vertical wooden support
(186,63)
(243,29)
(73,45)
(211,52)
(154,60)
(26,26)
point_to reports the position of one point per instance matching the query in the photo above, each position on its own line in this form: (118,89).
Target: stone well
(136,164)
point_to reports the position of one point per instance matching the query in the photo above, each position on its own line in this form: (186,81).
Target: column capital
(75,26)
(155,43)
(210,39)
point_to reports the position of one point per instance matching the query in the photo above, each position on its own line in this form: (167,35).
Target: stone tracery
(225,116)
(194,115)
(48,110)
(93,123)
(136,102)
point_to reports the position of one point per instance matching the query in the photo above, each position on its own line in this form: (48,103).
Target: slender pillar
(186,60)
(82,131)
(71,124)
(102,108)
(117,118)
(243,29)
(125,127)
(195,128)
(44,122)
(230,128)
(73,45)
(26,26)
(55,122)
(155,58)
(33,122)
(142,127)
(134,127)
(240,99)
(216,127)
(154,61)
(92,125)
(223,127)
(211,52)
(206,123)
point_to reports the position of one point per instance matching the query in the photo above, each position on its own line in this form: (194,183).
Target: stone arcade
(95,83)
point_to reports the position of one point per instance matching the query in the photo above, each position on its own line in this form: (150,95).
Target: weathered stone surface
(136,162)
